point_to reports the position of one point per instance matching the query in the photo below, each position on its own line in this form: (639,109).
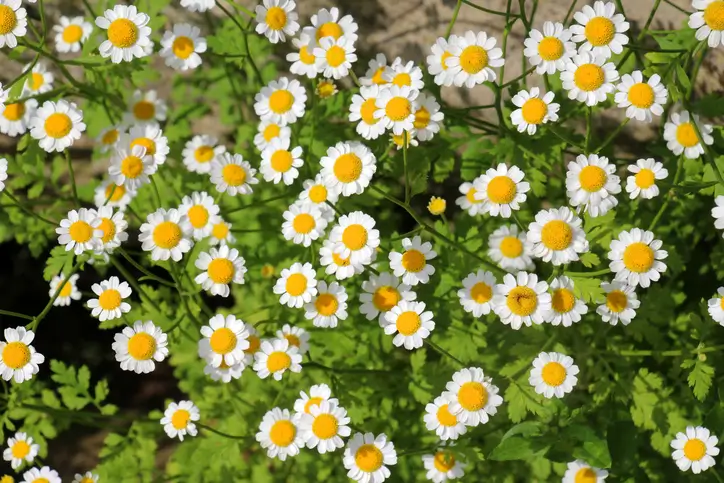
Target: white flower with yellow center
(328,306)
(127,34)
(469,201)
(20,449)
(317,394)
(42,475)
(443,466)
(110,302)
(200,151)
(109,137)
(275,357)
(57,125)
(436,206)
(643,181)
(557,236)
(131,167)
(708,21)
(281,101)
(381,293)
(324,426)
(375,68)
(276,19)
(521,300)
(13,23)
(600,29)
(410,323)
(165,236)
(553,374)
(549,50)
(303,223)
(67,293)
(150,137)
(71,33)
(642,99)
(145,108)
(297,285)
(716,307)
(511,249)
(39,81)
(334,57)
(221,234)
(591,184)
(567,309)
(269,131)
(182,45)
(477,292)
(348,167)
(533,110)
(401,74)
(335,265)
(198,5)
(201,214)
(580,472)
(18,359)
(407,137)
(220,267)
(437,61)
(620,304)
(279,434)
(501,190)
(224,372)
(232,175)
(695,449)
(296,336)
(80,231)
(355,238)
(139,346)
(681,134)
(428,117)
(87,477)
(326,89)
(367,456)
(178,419)
(472,59)
(588,78)
(363,109)
(327,23)
(316,193)
(110,194)
(279,163)
(302,59)
(254,344)
(636,258)
(474,397)
(396,108)
(438,418)
(225,340)
(412,265)
(15,117)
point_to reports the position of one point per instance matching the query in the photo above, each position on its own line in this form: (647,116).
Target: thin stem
(589,124)
(16,314)
(442,351)
(143,269)
(156,193)
(613,135)
(354,78)
(90,9)
(34,324)
(28,210)
(641,34)
(666,203)
(670,353)
(454,17)
(483,9)
(132,281)
(520,77)
(589,274)
(351,370)
(71,173)
(258,203)
(408,189)
(570,11)
(220,433)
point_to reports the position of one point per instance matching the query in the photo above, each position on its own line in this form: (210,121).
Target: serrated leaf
(590,259)
(700,378)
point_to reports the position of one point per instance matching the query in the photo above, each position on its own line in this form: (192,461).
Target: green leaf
(517,448)
(700,377)
(692,186)
(59,262)
(590,259)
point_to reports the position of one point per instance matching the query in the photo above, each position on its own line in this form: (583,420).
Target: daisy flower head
(396,108)
(279,163)
(347,168)
(317,394)
(436,206)
(695,449)
(41,475)
(316,193)
(326,89)
(110,302)
(201,214)
(641,99)
(334,57)
(553,374)
(296,336)
(224,342)
(276,19)
(443,466)
(327,23)
(3,173)
(355,238)
(363,110)
(591,184)
(549,50)
(57,125)
(275,357)
(269,131)
(151,137)
(302,59)
(708,20)
(165,235)
(279,434)
(131,167)
(328,306)
(145,108)
(367,456)
(18,359)
(200,151)
(477,292)
(224,372)
(472,58)
(501,190)
(198,5)
(683,134)
(600,29)
(579,471)
(716,307)
(533,109)
(80,231)
(412,265)
(254,345)
(410,323)
(588,78)
(303,223)
(375,68)
(13,23)
(220,268)
(182,45)
(232,175)
(20,449)
(127,34)
(67,293)
(324,426)
(474,397)
(281,101)
(335,265)
(557,236)
(139,346)
(178,419)
(15,118)
(109,137)
(87,477)
(428,117)
(71,33)
(110,194)
(521,299)
(510,249)
(40,79)
(381,293)
(620,304)
(404,140)
(468,201)
(437,60)
(567,309)
(221,234)
(404,74)
(438,418)
(643,181)
(296,285)
(636,258)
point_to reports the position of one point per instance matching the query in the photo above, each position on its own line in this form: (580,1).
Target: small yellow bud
(267,271)
(326,89)
(437,206)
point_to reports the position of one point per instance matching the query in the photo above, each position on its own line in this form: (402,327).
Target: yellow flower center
(58,125)
(713,15)
(550,48)
(180,419)
(501,190)
(80,231)
(283,432)
(443,59)
(114,192)
(444,461)
(296,284)
(13,112)
(305,56)
(522,301)
(686,135)
(318,193)
(123,33)
(377,77)
(223,341)
(144,110)
(385,298)
(563,300)
(312,402)
(336,56)
(645,178)
(553,374)
(278,361)
(368,458)
(276,18)
(8,19)
(198,216)
(600,31)
(556,235)
(473,59)
(616,301)
(437,206)
(408,323)
(592,178)
(413,260)
(481,292)
(721,303)
(20,449)
(586,475)
(694,449)
(110,136)
(36,81)
(303,223)
(293,340)
(281,161)
(472,396)
(511,247)
(638,257)
(470,196)
(326,304)
(16,355)
(281,101)
(72,34)
(7,479)
(534,110)
(41,480)
(254,344)
(233,175)
(271,131)
(220,231)
(354,237)
(445,417)
(422,118)
(329,29)
(183,47)
(147,143)
(342,262)
(402,79)
(398,109)
(325,89)
(131,167)
(367,111)
(110,299)
(221,270)
(66,290)
(167,235)
(589,77)
(325,426)
(142,346)
(641,95)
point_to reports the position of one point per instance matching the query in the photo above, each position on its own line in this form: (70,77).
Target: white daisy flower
(225,373)
(279,434)
(232,175)
(67,293)
(57,125)
(428,117)
(472,57)
(695,449)
(326,89)
(269,131)
(588,78)
(533,110)
(401,74)
(281,101)
(276,19)
(3,173)
(375,68)
(437,61)
(224,342)
(145,108)
(17,116)
(716,307)
(279,163)
(473,396)
(139,346)
(324,426)
(328,306)
(591,184)
(381,293)
(469,201)
(296,336)
(410,323)
(317,394)
(296,285)
(127,33)
(412,265)
(198,5)
(438,418)
(221,234)
(275,357)
(303,223)
(41,475)
(335,265)
(510,249)
(178,419)
(557,236)
(21,449)
(620,305)
(642,99)
(579,471)
(109,137)
(355,237)
(477,292)
(348,167)
(150,137)
(501,190)
(643,182)
(327,23)
(254,345)
(567,309)
(334,57)
(200,151)
(521,299)
(131,167)
(87,477)
(220,267)
(367,456)
(182,45)
(110,302)
(407,137)
(71,33)
(13,23)
(303,62)
(201,214)
(443,466)
(80,231)
(636,258)
(39,81)
(553,374)
(164,235)
(18,359)
(708,21)
(362,111)
(681,135)
(549,50)
(396,108)
(115,196)
(600,29)
(316,193)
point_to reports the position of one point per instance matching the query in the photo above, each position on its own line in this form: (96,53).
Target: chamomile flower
(303,223)
(21,449)
(182,45)
(327,23)
(473,396)
(579,471)
(201,214)
(200,151)
(127,33)
(139,346)
(3,173)
(110,302)
(131,167)
(71,33)
(477,292)
(224,372)
(328,306)
(42,475)
(410,323)
(275,357)
(165,236)
(232,175)
(40,79)
(533,110)
(279,434)
(501,190)
(472,58)
(110,194)
(57,125)
(326,89)
(178,419)
(317,394)
(297,285)
(438,418)
(224,342)
(404,74)
(198,5)
(566,308)
(404,140)
(381,293)
(276,19)
(591,184)
(254,344)
(15,118)
(396,108)
(367,456)
(681,134)
(18,359)
(557,236)
(145,108)
(296,336)
(600,29)
(335,265)
(620,305)
(303,60)
(281,101)
(334,57)
(269,131)
(324,426)
(220,267)
(375,68)
(443,466)
(695,449)
(412,265)
(150,137)
(355,237)
(553,374)
(521,299)
(428,117)
(13,23)
(708,20)
(221,234)
(642,99)
(87,477)
(348,167)
(109,137)
(511,249)
(643,181)
(549,50)
(636,258)
(588,78)
(437,206)
(80,231)
(317,194)
(67,293)
(469,201)
(279,163)
(716,307)
(437,61)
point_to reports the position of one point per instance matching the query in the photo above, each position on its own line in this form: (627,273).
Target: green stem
(454,17)
(28,210)
(258,203)
(669,353)
(354,78)
(483,9)
(408,189)
(220,433)
(90,9)
(71,173)
(34,324)
(442,351)
(350,370)
(589,128)
(613,135)
(156,193)
(589,274)
(16,314)
(132,281)
(570,11)
(677,176)
(520,77)
(143,270)
(641,34)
